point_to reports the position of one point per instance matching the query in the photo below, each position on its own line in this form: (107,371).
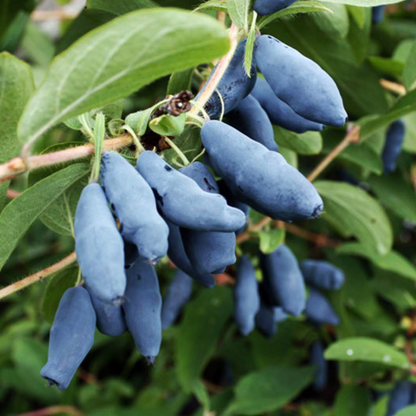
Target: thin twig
(40,15)
(11,194)
(54,410)
(353,136)
(17,165)
(320,240)
(219,70)
(37,277)
(393,86)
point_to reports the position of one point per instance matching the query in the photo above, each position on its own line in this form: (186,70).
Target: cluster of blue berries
(139,215)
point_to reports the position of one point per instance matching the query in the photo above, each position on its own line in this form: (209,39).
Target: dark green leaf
(409,73)
(180,81)
(352,400)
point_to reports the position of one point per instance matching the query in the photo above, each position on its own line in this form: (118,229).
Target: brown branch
(320,240)
(37,277)
(393,87)
(53,410)
(353,136)
(17,165)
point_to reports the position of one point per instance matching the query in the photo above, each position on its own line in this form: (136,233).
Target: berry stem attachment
(353,136)
(219,71)
(136,140)
(37,277)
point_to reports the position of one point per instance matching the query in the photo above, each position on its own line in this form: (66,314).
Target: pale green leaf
(358,14)
(251,39)
(409,72)
(216,5)
(167,125)
(117,59)
(296,8)
(336,23)
(409,144)
(268,389)
(21,213)
(308,143)
(407,411)
(387,66)
(180,81)
(290,156)
(353,212)
(238,11)
(367,349)
(271,239)
(392,261)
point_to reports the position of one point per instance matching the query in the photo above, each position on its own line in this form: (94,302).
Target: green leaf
(407,411)
(22,212)
(121,6)
(167,125)
(290,156)
(353,212)
(359,33)
(409,72)
(248,56)
(367,349)
(393,191)
(37,45)
(10,9)
(268,389)
(387,66)
(309,143)
(358,14)
(352,400)
(409,144)
(297,8)
(336,23)
(271,239)
(402,107)
(57,286)
(200,330)
(180,81)
(238,11)
(132,51)
(392,261)
(216,5)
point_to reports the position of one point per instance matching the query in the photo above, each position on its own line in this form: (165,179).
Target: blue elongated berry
(393,145)
(322,274)
(207,251)
(178,255)
(259,177)
(232,201)
(263,7)
(183,202)
(400,397)
(319,310)
(250,118)
(284,278)
(246,296)
(279,112)
(377,14)
(177,294)
(318,360)
(300,82)
(71,337)
(234,86)
(265,322)
(99,246)
(134,204)
(279,314)
(143,307)
(110,318)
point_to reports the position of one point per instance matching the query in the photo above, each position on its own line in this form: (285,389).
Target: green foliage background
(205,367)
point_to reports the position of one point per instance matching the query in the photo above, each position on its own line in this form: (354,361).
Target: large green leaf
(16,87)
(367,349)
(407,411)
(395,194)
(392,261)
(120,7)
(352,400)
(309,143)
(353,212)
(199,332)
(20,214)
(268,389)
(359,85)
(118,58)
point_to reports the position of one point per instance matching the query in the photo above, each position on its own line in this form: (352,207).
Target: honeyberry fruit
(393,145)
(318,360)
(322,275)
(263,7)
(319,310)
